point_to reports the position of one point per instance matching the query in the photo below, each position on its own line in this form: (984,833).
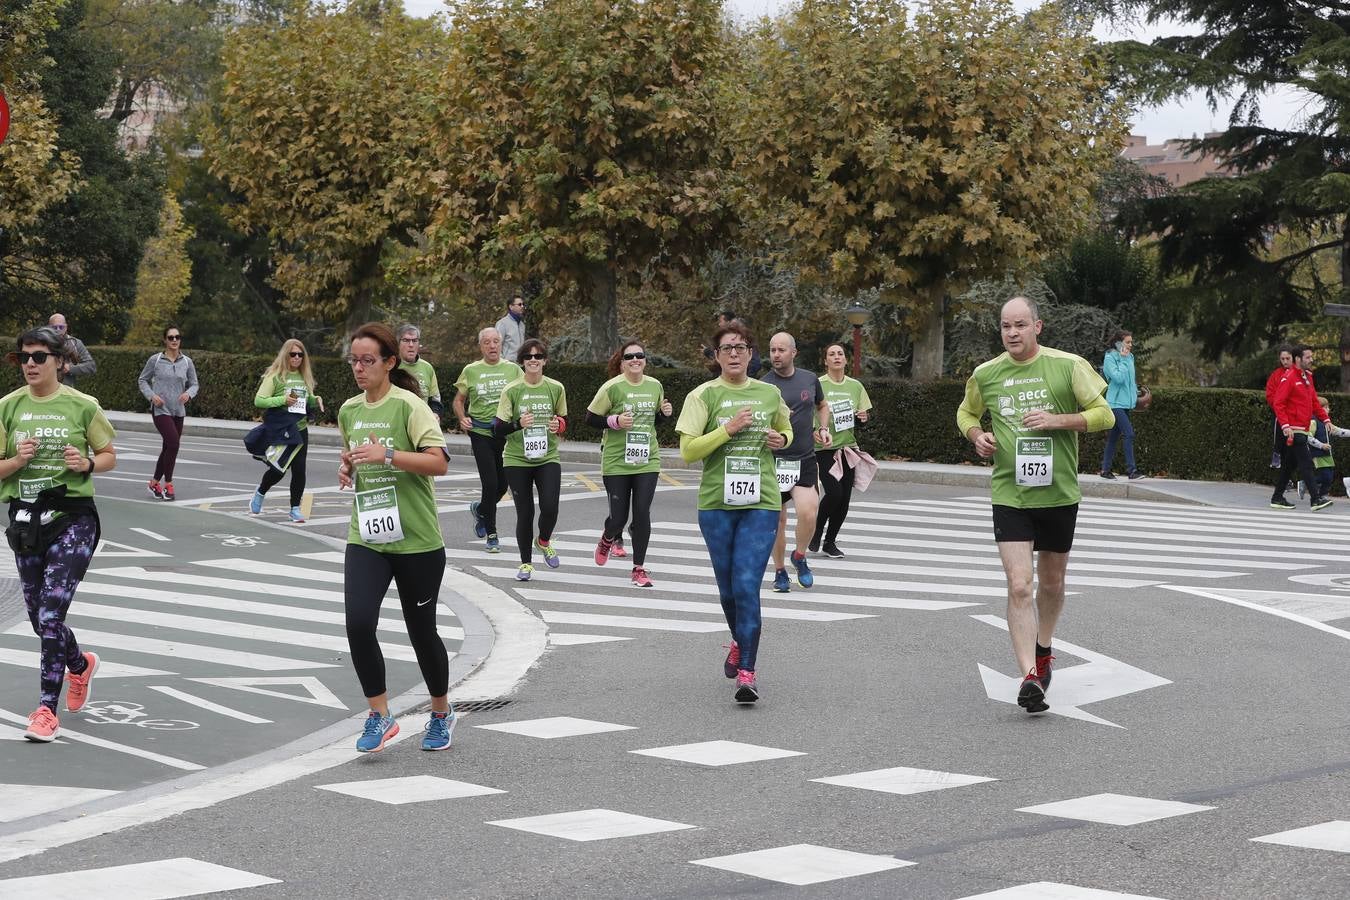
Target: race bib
(842,413)
(536,442)
(637,448)
(1035,461)
(789,472)
(29,488)
(377,517)
(299,405)
(740,481)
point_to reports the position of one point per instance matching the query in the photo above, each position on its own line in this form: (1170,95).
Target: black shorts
(809,478)
(1050,528)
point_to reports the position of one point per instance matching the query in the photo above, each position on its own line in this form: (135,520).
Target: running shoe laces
(550,555)
(1043,669)
(602,550)
(640,577)
(42,725)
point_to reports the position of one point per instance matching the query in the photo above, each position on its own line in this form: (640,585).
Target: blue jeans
(739,542)
(1124,432)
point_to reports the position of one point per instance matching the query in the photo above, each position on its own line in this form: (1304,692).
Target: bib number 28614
(1035,461)
(377,516)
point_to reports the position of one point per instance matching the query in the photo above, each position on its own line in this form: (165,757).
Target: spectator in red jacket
(1295,406)
(1286,352)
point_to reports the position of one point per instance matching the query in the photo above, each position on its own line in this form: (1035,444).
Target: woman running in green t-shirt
(628,408)
(393,447)
(849,406)
(288,384)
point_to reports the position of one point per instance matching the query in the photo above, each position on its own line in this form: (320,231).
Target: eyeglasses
(57,327)
(409,340)
(296,354)
(534,356)
(366,361)
(37,356)
(635,356)
(733,348)
(173,337)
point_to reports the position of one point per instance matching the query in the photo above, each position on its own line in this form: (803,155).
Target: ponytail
(402,378)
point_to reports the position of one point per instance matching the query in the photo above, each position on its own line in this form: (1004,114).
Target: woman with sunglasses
(532,416)
(628,408)
(849,407)
(393,448)
(52,439)
(733,424)
(168,381)
(288,384)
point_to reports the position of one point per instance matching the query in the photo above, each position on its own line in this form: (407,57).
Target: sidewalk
(1207,493)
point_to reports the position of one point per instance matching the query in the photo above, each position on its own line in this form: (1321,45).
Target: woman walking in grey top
(168,381)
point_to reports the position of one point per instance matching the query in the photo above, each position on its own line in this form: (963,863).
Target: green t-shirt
(274,388)
(1034,469)
(845,400)
(483,385)
(531,446)
(394,511)
(732,469)
(63,417)
(425,373)
(635,450)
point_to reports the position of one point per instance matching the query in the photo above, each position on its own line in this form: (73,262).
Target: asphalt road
(1197,709)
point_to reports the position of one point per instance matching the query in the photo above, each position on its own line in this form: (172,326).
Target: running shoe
(550,555)
(1109,476)
(77,686)
(1043,670)
(617,550)
(1137,476)
(640,577)
(524,572)
(1281,503)
(747,691)
(168,490)
(438,731)
(602,550)
(781,584)
(493,545)
(296,515)
(479,526)
(255,505)
(732,662)
(379,731)
(1321,502)
(804,576)
(814,546)
(1031,696)
(833,552)
(43,726)
(155,490)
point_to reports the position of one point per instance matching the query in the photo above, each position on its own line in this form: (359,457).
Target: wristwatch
(389,455)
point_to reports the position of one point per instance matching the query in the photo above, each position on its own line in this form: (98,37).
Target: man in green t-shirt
(410,358)
(477,392)
(1038,400)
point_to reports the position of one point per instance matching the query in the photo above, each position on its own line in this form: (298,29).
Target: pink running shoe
(43,726)
(77,686)
(617,550)
(640,577)
(733,661)
(747,691)
(602,550)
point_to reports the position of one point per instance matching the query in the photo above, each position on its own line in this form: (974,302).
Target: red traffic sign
(4,118)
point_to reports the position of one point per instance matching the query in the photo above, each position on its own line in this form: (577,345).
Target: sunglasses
(173,337)
(635,356)
(534,356)
(37,356)
(296,354)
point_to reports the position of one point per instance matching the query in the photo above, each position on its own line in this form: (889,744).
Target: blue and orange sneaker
(438,731)
(804,576)
(379,731)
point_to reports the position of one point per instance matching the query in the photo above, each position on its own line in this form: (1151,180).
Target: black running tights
(297,470)
(487,455)
(365,579)
(636,491)
(838,492)
(524,481)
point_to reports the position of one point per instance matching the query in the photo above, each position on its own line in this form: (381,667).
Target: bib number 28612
(377,516)
(536,442)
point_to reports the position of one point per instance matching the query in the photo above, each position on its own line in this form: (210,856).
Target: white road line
(67,734)
(31,659)
(263,588)
(163,879)
(688,606)
(317,693)
(258,662)
(569,618)
(328,556)
(209,706)
(151,534)
(1269,610)
(272,570)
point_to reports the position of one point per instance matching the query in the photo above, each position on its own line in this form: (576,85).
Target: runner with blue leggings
(733,424)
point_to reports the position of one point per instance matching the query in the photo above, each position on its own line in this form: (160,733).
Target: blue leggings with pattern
(49,580)
(739,542)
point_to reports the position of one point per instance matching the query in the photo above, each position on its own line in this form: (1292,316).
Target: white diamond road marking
(591,825)
(717,753)
(556,727)
(161,880)
(904,780)
(559,639)
(1333,835)
(20,801)
(411,789)
(802,864)
(1115,809)
(1050,890)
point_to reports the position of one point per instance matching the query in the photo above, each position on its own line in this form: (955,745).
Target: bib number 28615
(377,516)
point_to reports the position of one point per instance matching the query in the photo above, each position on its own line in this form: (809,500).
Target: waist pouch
(26,532)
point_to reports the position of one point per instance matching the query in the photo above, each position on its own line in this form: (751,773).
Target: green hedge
(1194,433)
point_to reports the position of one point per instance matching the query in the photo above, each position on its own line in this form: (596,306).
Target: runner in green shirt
(288,386)
(627,409)
(392,449)
(532,416)
(733,424)
(849,407)
(410,359)
(477,393)
(1038,400)
(52,439)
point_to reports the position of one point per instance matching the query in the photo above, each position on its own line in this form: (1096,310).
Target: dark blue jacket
(278,427)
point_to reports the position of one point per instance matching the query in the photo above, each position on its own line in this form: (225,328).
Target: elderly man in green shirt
(1038,400)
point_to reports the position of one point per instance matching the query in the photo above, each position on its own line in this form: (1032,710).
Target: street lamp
(857,317)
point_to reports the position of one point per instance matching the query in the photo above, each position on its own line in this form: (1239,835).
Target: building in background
(1171,162)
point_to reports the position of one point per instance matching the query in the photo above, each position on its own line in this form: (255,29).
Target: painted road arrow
(1100,678)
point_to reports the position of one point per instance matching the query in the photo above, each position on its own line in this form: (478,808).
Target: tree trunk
(1344,298)
(365,275)
(604,297)
(929,347)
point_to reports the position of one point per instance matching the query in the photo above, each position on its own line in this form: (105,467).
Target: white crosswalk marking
(767,612)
